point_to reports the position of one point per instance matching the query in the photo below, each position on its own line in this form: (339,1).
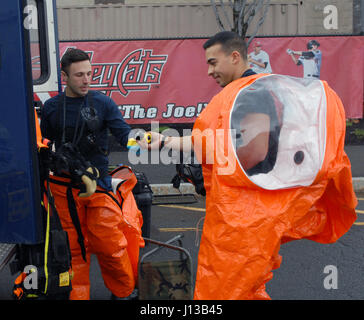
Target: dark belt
(76,221)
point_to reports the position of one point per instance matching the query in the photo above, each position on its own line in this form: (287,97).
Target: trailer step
(7,250)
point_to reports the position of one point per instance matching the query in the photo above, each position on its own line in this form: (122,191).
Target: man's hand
(158,141)
(151,140)
(89,183)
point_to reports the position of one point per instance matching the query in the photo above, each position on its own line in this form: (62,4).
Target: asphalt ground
(306,267)
(356,156)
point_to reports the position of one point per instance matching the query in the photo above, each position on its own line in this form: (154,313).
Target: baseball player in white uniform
(313,46)
(259,59)
(310,60)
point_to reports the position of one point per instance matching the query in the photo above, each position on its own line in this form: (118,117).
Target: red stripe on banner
(53,93)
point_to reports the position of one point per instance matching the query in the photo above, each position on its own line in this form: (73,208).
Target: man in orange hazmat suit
(272,154)
(104,221)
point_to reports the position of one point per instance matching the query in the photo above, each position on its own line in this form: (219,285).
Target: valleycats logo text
(139,70)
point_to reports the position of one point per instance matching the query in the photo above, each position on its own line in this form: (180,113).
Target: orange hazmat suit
(306,192)
(111,226)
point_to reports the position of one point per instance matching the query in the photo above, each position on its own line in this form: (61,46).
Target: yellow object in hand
(147,137)
(132,143)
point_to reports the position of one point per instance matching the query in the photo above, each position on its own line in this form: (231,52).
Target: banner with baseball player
(167,81)
(318,58)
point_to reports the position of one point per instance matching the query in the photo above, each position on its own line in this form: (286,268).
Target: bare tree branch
(231,5)
(241,23)
(219,22)
(225,14)
(253,8)
(243,12)
(250,12)
(265,5)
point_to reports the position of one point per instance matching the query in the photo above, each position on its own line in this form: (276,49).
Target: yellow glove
(89,183)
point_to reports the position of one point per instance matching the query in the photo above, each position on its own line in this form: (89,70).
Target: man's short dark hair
(71,56)
(230,41)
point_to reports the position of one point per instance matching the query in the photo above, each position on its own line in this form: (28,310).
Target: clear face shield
(279,131)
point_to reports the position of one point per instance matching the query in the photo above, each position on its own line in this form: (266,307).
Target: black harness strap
(76,221)
(55,221)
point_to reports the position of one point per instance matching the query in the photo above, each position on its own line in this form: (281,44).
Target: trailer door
(20,211)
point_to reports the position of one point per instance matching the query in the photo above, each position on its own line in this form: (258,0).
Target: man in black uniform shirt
(82,118)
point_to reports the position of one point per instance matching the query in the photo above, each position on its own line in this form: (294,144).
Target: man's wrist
(163,141)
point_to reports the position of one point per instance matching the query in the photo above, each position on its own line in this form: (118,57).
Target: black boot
(133,296)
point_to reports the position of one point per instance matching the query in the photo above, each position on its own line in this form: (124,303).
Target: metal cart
(165,280)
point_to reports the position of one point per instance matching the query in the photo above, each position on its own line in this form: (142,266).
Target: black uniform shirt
(109,118)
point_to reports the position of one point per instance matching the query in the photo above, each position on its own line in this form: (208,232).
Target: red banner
(167,81)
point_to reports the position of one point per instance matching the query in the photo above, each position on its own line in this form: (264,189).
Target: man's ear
(235,56)
(64,76)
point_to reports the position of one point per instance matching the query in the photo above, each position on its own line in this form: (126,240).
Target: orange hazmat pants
(107,233)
